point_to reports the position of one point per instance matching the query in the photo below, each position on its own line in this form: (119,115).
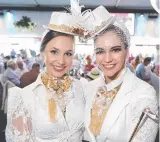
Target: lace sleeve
(19,122)
(148,128)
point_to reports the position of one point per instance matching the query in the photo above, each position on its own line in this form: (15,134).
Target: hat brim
(59,30)
(110,21)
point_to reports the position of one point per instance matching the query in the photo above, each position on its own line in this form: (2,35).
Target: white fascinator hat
(98,20)
(65,23)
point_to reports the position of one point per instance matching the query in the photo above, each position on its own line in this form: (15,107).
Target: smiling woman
(117,101)
(52,108)
(111,52)
(57,50)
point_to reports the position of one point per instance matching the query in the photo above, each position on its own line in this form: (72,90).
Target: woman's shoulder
(141,85)
(20,93)
(143,91)
(14,91)
(14,96)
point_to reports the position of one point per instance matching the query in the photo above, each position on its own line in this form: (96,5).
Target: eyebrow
(117,46)
(69,51)
(66,51)
(55,48)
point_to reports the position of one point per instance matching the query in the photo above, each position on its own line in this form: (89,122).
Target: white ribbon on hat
(75,7)
(78,15)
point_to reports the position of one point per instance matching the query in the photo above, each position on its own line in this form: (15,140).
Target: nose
(108,57)
(61,60)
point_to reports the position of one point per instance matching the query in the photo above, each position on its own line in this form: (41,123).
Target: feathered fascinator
(71,23)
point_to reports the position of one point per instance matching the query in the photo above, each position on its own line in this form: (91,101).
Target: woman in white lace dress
(115,101)
(52,108)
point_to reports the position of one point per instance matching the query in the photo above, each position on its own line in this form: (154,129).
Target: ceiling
(48,4)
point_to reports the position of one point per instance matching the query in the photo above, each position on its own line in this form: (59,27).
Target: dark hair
(137,59)
(35,65)
(49,36)
(147,59)
(118,31)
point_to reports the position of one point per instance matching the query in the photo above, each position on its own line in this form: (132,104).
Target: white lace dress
(28,119)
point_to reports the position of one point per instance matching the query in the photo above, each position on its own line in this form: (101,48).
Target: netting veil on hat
(121,31)
(126,37)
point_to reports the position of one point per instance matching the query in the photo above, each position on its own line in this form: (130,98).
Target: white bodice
(34,101)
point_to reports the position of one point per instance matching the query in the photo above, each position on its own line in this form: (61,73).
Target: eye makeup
(99,51)
(69,53)
(54,52)
(116,49)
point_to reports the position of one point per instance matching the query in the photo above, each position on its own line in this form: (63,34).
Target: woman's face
(58,55)
(110,55)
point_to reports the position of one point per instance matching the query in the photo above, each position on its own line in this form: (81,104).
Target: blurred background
(21,29)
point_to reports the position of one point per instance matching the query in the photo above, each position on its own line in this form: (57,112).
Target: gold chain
(59,86)
(98,112)
(62,84)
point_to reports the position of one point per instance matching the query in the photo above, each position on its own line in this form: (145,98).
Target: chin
(57,74)
(109,73)
(112,74)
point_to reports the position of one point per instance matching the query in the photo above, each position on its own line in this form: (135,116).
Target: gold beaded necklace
(100,108)
(55,88)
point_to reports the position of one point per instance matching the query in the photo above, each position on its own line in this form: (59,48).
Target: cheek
(121,59)
(99,59)
(48,59)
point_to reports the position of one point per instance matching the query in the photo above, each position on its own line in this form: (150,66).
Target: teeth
(109,66)
(59,68)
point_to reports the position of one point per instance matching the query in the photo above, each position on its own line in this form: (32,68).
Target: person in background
(1,65)
(20,69)
(30,76)
(76,63)
(156,68)
(40,60)
(118,100)
(19,58)
(24,54)
(88,66)
(6,59)
(135,62)
(130,58)
(130,67)
(10,73)
(140,70)
(13,54)
(93,74)
(32,52)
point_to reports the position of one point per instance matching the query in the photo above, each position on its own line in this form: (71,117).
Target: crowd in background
(19,70)
(22,71)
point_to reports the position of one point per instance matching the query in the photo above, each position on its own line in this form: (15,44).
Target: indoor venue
(25,59)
